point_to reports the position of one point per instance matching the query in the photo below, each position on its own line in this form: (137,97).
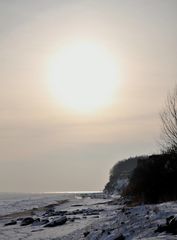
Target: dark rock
(49,212)
(123,210)
(56,222)
(76,205)
(127,213)
(37,230)
(72,219)
(169,227)
(86,212)
(39,222)
(169,219)
(61,213)
(86,234)
(13,222)
(120,237)
(19,219)
(44,221)
(27,221)
(161,228)
(52,212)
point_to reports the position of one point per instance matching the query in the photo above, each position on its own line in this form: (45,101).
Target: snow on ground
(132,222)
(94,219)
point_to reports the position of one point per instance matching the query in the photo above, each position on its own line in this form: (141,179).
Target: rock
(169,227)
(52,212)
(161,228)
(19,219)
(27,221)
(76,205)
(12,222)
(49,212)
(72,220)
(120,237)
(36,222)
(123,210)
(86,233)
(86,212)
(37,230)
(127,213)
(56,222)
(61,213)
(44,221)
(39,222)
(169,220)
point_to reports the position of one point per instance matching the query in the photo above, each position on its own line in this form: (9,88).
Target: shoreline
(89,218)
(30,212)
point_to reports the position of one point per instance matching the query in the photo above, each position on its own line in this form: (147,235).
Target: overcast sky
(42,146)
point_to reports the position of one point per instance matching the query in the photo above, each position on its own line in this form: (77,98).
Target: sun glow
(83,77)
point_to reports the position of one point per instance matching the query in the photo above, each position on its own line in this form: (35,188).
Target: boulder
(169,227)
(120,237)
(44,221)
(12,222)
(56,222)
(27,221)
(86,234)
(39,222)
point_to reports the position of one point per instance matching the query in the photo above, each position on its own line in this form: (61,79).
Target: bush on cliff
(154,179)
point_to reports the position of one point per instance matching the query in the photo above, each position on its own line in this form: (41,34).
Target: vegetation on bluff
(152,179)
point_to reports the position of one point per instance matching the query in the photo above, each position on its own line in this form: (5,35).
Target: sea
(16,202)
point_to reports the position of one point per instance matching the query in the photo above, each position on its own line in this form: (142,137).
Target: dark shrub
(154,179)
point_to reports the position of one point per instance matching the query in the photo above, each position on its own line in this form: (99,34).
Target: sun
(83,77)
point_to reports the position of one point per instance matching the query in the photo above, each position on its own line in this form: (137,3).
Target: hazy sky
(45,147)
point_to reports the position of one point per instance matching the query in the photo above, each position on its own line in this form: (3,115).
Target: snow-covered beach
(86,216)
(19,206)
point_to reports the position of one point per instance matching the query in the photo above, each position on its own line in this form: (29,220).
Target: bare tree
(169,123)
